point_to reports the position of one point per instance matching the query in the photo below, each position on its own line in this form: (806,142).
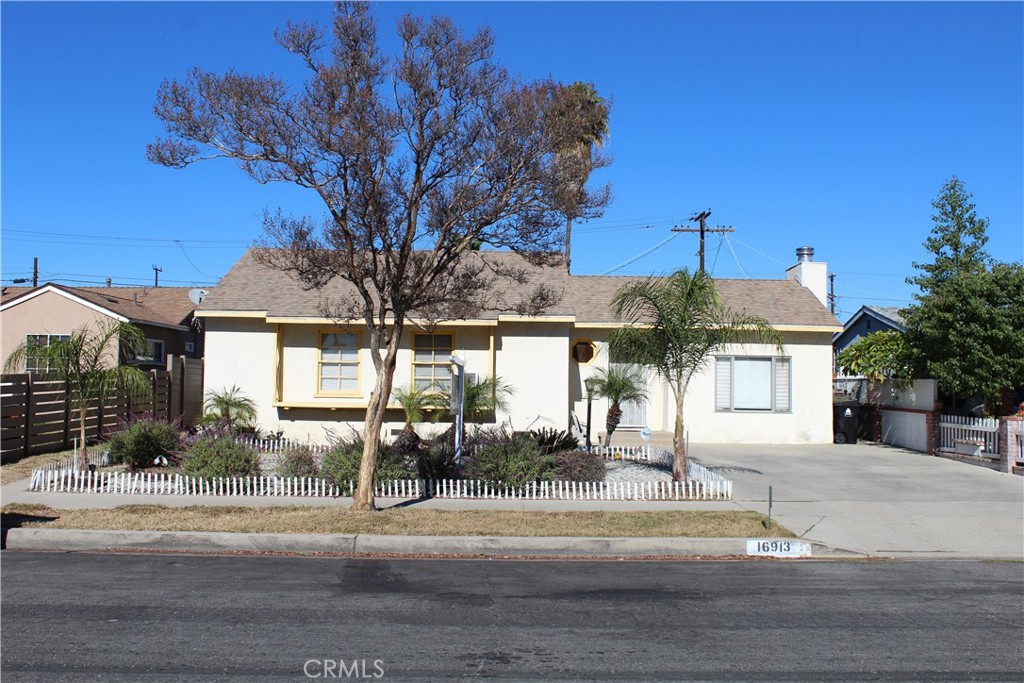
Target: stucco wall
(47,313)
(532,357)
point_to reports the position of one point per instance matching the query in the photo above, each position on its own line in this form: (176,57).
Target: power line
(728,243)
(641,255)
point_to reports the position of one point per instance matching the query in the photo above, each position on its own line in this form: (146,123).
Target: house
(310,375)
(867,320)
(39,315)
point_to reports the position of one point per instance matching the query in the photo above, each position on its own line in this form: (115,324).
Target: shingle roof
(250,286)
(158,305)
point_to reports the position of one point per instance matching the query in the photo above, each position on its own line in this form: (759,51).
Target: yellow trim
(296,320)
(491,355)
(537,318)
(412,350)
(357,392)
(278,364)
(231,314)
(333,405)
(593,345)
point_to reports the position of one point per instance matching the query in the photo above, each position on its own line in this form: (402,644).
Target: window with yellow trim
(431,362)
(339,363)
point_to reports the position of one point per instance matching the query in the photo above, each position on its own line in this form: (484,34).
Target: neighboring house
(309,375)
(50,312)
(867,320)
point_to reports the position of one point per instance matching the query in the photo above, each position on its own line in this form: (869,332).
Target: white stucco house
(308,374)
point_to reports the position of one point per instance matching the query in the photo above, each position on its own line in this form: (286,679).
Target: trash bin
(845,417)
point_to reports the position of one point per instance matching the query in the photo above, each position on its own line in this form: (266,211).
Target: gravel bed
(628,471)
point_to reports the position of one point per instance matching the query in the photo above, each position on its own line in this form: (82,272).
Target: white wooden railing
(969,435)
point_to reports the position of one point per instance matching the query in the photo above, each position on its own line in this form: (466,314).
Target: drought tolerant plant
(619,384)
(416,404)
(141,441)
(341,461)
(551,440)
(511,459)
(298,461)
(579,465)
(231,409)
(220,456)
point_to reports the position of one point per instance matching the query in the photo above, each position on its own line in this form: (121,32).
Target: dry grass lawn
(318,520)
(22,469)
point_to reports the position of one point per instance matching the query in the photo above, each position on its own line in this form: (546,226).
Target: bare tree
(417,159)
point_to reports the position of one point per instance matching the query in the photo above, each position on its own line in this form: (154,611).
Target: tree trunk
(363,499)
(680,463)
(612,422)
(568,241)
(83,414)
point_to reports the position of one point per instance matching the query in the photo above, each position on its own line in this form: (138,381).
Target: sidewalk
(864,499)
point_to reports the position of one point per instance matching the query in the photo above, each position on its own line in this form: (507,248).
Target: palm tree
(88,364)
(481,397)
(676,323)
(230,407)
(416,403)
(619,384)
(581,107)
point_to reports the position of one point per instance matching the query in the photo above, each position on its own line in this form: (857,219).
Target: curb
(516,546)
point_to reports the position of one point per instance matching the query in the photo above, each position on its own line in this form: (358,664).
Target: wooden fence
(969,435)
(162,483)
(37,414)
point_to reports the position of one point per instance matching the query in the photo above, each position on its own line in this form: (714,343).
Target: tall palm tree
(619,384)
(580,106)
(88,364)
(676,323)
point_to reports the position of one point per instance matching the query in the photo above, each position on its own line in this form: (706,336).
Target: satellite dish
(645,434)
(196,295)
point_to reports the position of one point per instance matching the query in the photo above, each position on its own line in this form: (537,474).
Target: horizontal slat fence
(38,417)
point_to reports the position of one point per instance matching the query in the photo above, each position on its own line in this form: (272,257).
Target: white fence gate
(969,435)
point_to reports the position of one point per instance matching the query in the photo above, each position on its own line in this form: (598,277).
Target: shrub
(140,442)
(298,461)
(510,459)
(341,462)
(579,466)
(437,461)
(220,457)
(551,440)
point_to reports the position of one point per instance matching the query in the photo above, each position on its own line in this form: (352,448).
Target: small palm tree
(619,384)
(88,363)
(415,403)
(230,407)
(483,396)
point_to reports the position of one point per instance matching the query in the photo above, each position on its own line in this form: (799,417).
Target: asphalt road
(134,617)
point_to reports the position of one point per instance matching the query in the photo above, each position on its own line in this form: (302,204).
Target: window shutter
(723,370)
(782,392)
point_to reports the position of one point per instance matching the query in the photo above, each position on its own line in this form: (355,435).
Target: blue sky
(826,124)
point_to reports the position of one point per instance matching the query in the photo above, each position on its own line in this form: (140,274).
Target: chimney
(810,273)
(135,298)
(110,282)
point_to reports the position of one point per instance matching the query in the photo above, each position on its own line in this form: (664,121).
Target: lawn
(22,469)
(320,520)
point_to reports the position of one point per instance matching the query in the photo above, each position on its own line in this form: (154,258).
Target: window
(583,351)
(154,352)
(431,362)
(34,343)
(339,363)
(752,384)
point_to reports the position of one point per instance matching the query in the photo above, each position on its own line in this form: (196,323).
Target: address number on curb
(778,548)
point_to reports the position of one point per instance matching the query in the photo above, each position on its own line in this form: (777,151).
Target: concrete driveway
(878,499)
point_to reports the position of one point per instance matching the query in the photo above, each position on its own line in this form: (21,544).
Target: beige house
(310,376)
(40,315)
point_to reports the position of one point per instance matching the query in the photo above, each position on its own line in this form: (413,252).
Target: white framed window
(339,363)
(431,361)
(753,384)
(34,343)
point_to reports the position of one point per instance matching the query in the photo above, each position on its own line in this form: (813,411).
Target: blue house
(867,320)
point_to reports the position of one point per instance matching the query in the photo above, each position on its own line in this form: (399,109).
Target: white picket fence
(96,458)
(703,485)
(969,435)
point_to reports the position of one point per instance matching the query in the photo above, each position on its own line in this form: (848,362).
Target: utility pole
(156,276)
(832,293)
(35,271)
(702,218)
